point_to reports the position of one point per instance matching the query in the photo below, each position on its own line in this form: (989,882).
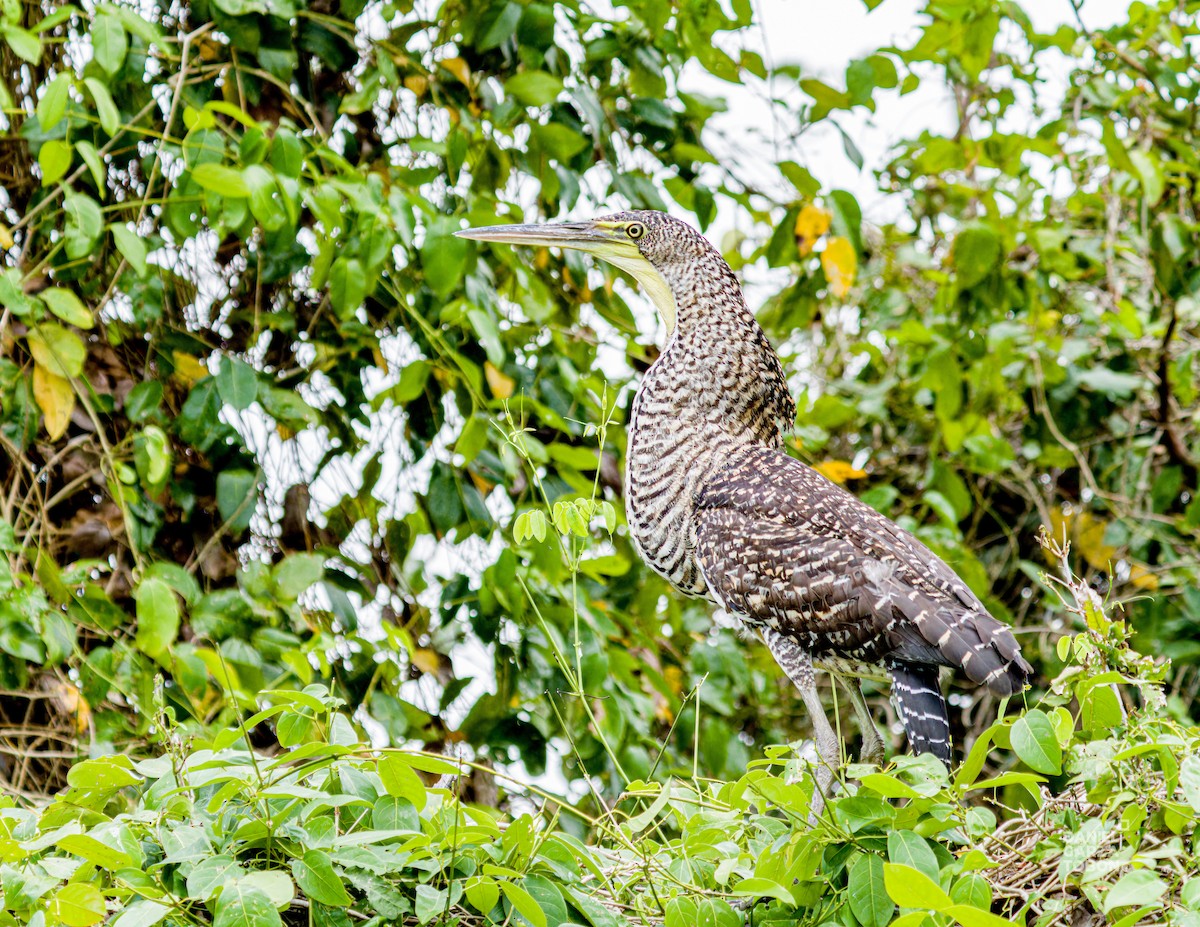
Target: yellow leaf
(811,224)
(839,471)
(426,661)
(499,383)
(839,263)
(1142,578)
(1086,533)
(55,398)
(6,239)
(417,83)
(187,368)
(72,702)
(458,68)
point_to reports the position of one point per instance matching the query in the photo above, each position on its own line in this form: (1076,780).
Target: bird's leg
(872,742)
(798,665)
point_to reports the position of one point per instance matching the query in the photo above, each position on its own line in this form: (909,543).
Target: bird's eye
(635,230)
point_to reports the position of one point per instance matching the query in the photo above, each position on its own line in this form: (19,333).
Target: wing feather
(785,548)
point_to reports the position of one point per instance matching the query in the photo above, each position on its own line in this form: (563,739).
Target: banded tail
(922,708)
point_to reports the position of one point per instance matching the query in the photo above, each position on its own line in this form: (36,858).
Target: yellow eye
(635,230)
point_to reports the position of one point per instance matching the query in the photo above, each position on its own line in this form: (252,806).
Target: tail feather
(918,699)
(982,647)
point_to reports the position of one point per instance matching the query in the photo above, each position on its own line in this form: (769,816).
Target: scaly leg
(872,742)
(798,666)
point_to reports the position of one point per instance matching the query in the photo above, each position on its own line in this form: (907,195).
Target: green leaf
(1034,742)
(210,875)
(391,812)
(1138,888)
(91,849)
(276,884)
(483,893)
(109,43)
(444,257)
(67,306)
(153,456)
(53,104)
(297,573)
(85,222)
(55,160)
(976,254)
(91,157)
(132,247)
(869,901)
(549,898)
(25,45)
(430,903)
(1150,172)
(57,349)
(347,286)
(911,888)
(237,497)
(220,179)
(847,218)
(1189,781)
(242,905)
(1081,846)
(972,889)
(78,904)
(970,916)
(533,88)
(142,913)
(157,617)
(266,204)
(524,904)
(757,887)
(102,774)
(106,109)
(911,849)
(143,400)
(1110,382)
(316,878)
(400,780)
(237,382)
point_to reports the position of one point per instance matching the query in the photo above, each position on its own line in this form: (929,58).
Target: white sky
(822,36)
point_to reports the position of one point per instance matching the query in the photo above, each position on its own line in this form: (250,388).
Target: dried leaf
(499,383)
(458,68)
(187,368)
(55,398)
(839,263)
(839,471)
(427,661)
(811,224)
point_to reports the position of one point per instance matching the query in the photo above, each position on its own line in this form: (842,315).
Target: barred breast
(715,389)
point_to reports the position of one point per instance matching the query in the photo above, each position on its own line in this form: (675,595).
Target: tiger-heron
(718,508)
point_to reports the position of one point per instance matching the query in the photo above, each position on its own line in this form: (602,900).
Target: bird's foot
(872,752)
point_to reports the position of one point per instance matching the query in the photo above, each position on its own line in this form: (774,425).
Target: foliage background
(267,425)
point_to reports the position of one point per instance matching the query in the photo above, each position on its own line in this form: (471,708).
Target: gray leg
(798,666)
(872,743)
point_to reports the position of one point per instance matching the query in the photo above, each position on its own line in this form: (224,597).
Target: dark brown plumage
(717,507)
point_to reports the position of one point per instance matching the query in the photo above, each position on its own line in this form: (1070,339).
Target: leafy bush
(335,832)
(278,451)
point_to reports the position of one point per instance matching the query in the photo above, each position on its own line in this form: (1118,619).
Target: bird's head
(651,246)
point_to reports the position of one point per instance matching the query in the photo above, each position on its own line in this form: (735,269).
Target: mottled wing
(783,547)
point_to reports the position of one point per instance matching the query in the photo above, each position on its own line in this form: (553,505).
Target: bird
(716,505)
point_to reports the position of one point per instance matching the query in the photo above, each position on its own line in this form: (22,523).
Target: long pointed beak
(583,236)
